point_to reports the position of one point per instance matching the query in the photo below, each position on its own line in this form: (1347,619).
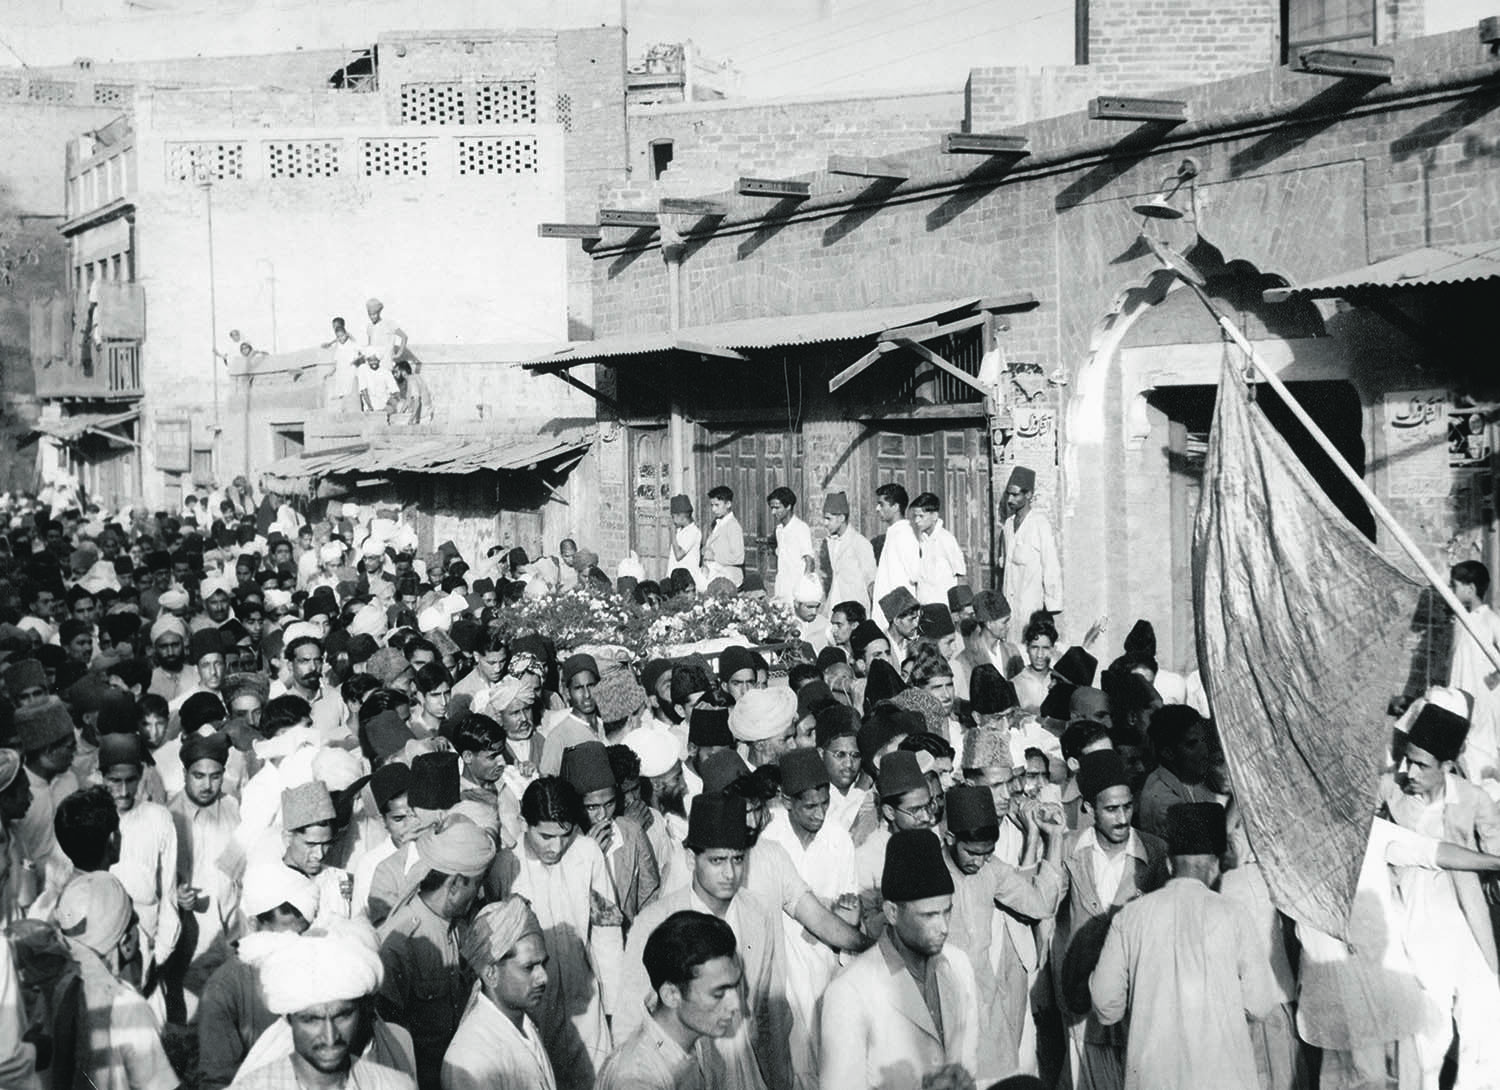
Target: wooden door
(954,465)
(651,495)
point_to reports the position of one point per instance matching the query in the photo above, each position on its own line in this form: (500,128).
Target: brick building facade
(1111,376)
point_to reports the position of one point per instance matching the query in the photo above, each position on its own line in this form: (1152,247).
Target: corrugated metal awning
(449,454)
(69,429)
(769,332)
(1426,267)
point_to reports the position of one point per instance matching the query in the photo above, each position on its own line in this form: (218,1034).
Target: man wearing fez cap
(905,803)
(1447,929)
(631,864)
(1033,575)
(708,734)
(736,671)
(205,819)
(426,984)
(148,843)
(851,558)
(307,823)
(983,882)
(903,620)
(907,1008)
(961,601)
(1106,864)
(498,1042)
(1183,963)
(757,1055)
(687,538)
(822,852)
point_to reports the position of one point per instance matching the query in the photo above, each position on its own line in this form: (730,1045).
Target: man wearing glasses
(905,802)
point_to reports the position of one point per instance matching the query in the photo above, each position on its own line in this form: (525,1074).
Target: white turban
(370,620)
(298,630)
(372,547)
(454,604)
(809,589)
(432,619)
(213,585)
(405,540)
(167,623)
(351,510)
(658,749)
(763,713)
(271,885)
(277,599)
(498,697)
(331,553)
(334,966)
(174,599)
(100,577)
(337,767)
(631,568)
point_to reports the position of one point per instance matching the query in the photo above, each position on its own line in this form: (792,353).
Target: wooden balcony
(115,374)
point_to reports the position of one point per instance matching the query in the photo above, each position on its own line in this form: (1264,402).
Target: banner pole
(1377,508)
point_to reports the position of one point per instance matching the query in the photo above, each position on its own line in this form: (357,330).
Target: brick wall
(1146,46)
(997,97)
(715,143)
(1377,173)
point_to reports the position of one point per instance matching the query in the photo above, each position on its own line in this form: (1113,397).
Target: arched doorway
(1162,361)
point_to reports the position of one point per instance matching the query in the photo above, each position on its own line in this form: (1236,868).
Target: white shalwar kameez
(827,866)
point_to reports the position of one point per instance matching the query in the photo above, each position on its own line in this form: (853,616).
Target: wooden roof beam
(980,143)
(1344,63)
(589,232)
(1162,111)
(772,187)
(628,217)
(692,206)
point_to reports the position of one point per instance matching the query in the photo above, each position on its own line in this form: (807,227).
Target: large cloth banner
(1301,641)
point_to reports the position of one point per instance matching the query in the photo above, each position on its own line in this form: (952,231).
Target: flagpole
(1377,508)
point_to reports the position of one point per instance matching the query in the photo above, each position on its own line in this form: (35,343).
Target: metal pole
(213,309)
(1378,509)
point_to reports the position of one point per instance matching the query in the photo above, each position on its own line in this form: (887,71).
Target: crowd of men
(285,788)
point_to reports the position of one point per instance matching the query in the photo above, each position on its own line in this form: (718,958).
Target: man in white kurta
(564,876)
(900,561)
(794,545)
(851,559)
(687,539)
(1182,963)
(1033,574)
(497,1043)
(147,866)
(823,853)
(205,820)
(1446,929)
(942,564)
(1474,673)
